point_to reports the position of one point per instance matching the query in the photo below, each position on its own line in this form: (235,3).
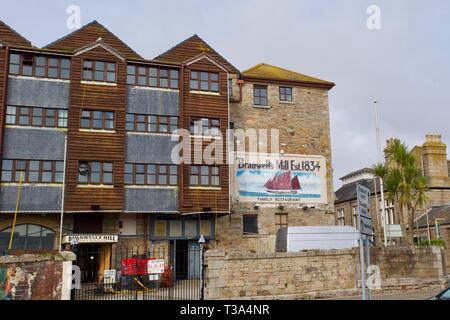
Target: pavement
(398,296)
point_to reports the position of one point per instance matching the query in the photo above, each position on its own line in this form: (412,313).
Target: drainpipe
(182,127)
(240,84)
(4,93)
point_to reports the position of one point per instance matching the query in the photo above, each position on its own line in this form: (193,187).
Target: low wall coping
(29,258)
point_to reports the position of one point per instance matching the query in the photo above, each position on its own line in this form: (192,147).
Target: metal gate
(133,274)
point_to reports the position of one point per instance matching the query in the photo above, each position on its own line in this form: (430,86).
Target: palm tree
(404,182)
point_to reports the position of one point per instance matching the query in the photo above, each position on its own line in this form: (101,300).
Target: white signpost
(365,227)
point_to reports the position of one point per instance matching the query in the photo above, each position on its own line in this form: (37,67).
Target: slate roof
(441,212)
(269,72)
(348,191)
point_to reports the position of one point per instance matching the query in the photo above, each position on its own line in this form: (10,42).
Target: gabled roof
(11,37)
(100,43)
(358,172)
(268,72)
(191,48)
(89,34)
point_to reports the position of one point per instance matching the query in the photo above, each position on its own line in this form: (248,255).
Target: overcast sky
(405,65)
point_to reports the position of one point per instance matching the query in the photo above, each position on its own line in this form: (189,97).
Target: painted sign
(156,266)
(91,238)
(281,179)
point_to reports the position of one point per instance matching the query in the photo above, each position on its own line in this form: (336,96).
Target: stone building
(431,157)
(86,132)
(302,118)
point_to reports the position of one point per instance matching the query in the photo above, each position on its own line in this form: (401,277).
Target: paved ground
(410,295)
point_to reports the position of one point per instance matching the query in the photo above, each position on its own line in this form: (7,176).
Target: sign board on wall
(280,179)
(365,217)
(91,238)
(156,266)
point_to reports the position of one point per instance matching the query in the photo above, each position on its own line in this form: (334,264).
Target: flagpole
(380,160)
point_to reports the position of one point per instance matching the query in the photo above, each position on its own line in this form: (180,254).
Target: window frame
(279,224)
(148,123)
(31,117)
(285,94)
(199,81)
(94,70)
(157,173)
(46,67)
(41,170)
(248,233)
(196,120)
(157,78)
(91,120)
(199,176)
(255,97)
(101,173)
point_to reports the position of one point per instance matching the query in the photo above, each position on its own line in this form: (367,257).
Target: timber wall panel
(210,106)
(3,80)
(92,146)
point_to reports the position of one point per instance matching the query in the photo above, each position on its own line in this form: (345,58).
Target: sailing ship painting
(283,183)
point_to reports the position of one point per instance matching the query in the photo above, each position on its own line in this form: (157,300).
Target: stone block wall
(36,276)
(305,275)
(319,274)
(406,268)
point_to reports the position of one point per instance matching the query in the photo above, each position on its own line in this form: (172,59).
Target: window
(39,66)
(355,217)
(286,94)
(153,77)
(151,174)
(281,220)
(95,173)
(389,211)
(28,237)
(205,176)
(260,95)
(150,123)
(230,87)
(250,224)
(131,75)
(99,71)
(205,127)
(36,117)
(97,120)
(204,81)
(32,171)
(341,217)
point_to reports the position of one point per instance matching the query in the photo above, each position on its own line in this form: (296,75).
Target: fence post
(202,265)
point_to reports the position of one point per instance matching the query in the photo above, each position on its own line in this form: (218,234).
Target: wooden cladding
(89,34)
(3,82)
(92,146)
(198,105)
(11,37)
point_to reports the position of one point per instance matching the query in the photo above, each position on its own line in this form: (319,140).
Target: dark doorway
(182,259)
(88,259)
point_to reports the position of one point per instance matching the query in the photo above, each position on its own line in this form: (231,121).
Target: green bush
(437,243)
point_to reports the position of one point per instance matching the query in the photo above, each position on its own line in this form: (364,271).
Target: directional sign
(365,218)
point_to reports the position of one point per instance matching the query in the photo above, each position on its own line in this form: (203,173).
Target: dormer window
(99,71)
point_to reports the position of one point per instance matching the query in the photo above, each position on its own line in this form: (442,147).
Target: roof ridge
(286,70)
(177,45)
(71,33)
(15,32)
(101,25)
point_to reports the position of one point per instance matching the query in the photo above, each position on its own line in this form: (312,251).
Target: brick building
(87,126)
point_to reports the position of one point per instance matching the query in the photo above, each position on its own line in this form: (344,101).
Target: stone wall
(406,268)
(36,276)
(304,275)
(318,274)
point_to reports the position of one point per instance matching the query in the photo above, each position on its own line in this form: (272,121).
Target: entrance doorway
(187,259)
(88,259)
